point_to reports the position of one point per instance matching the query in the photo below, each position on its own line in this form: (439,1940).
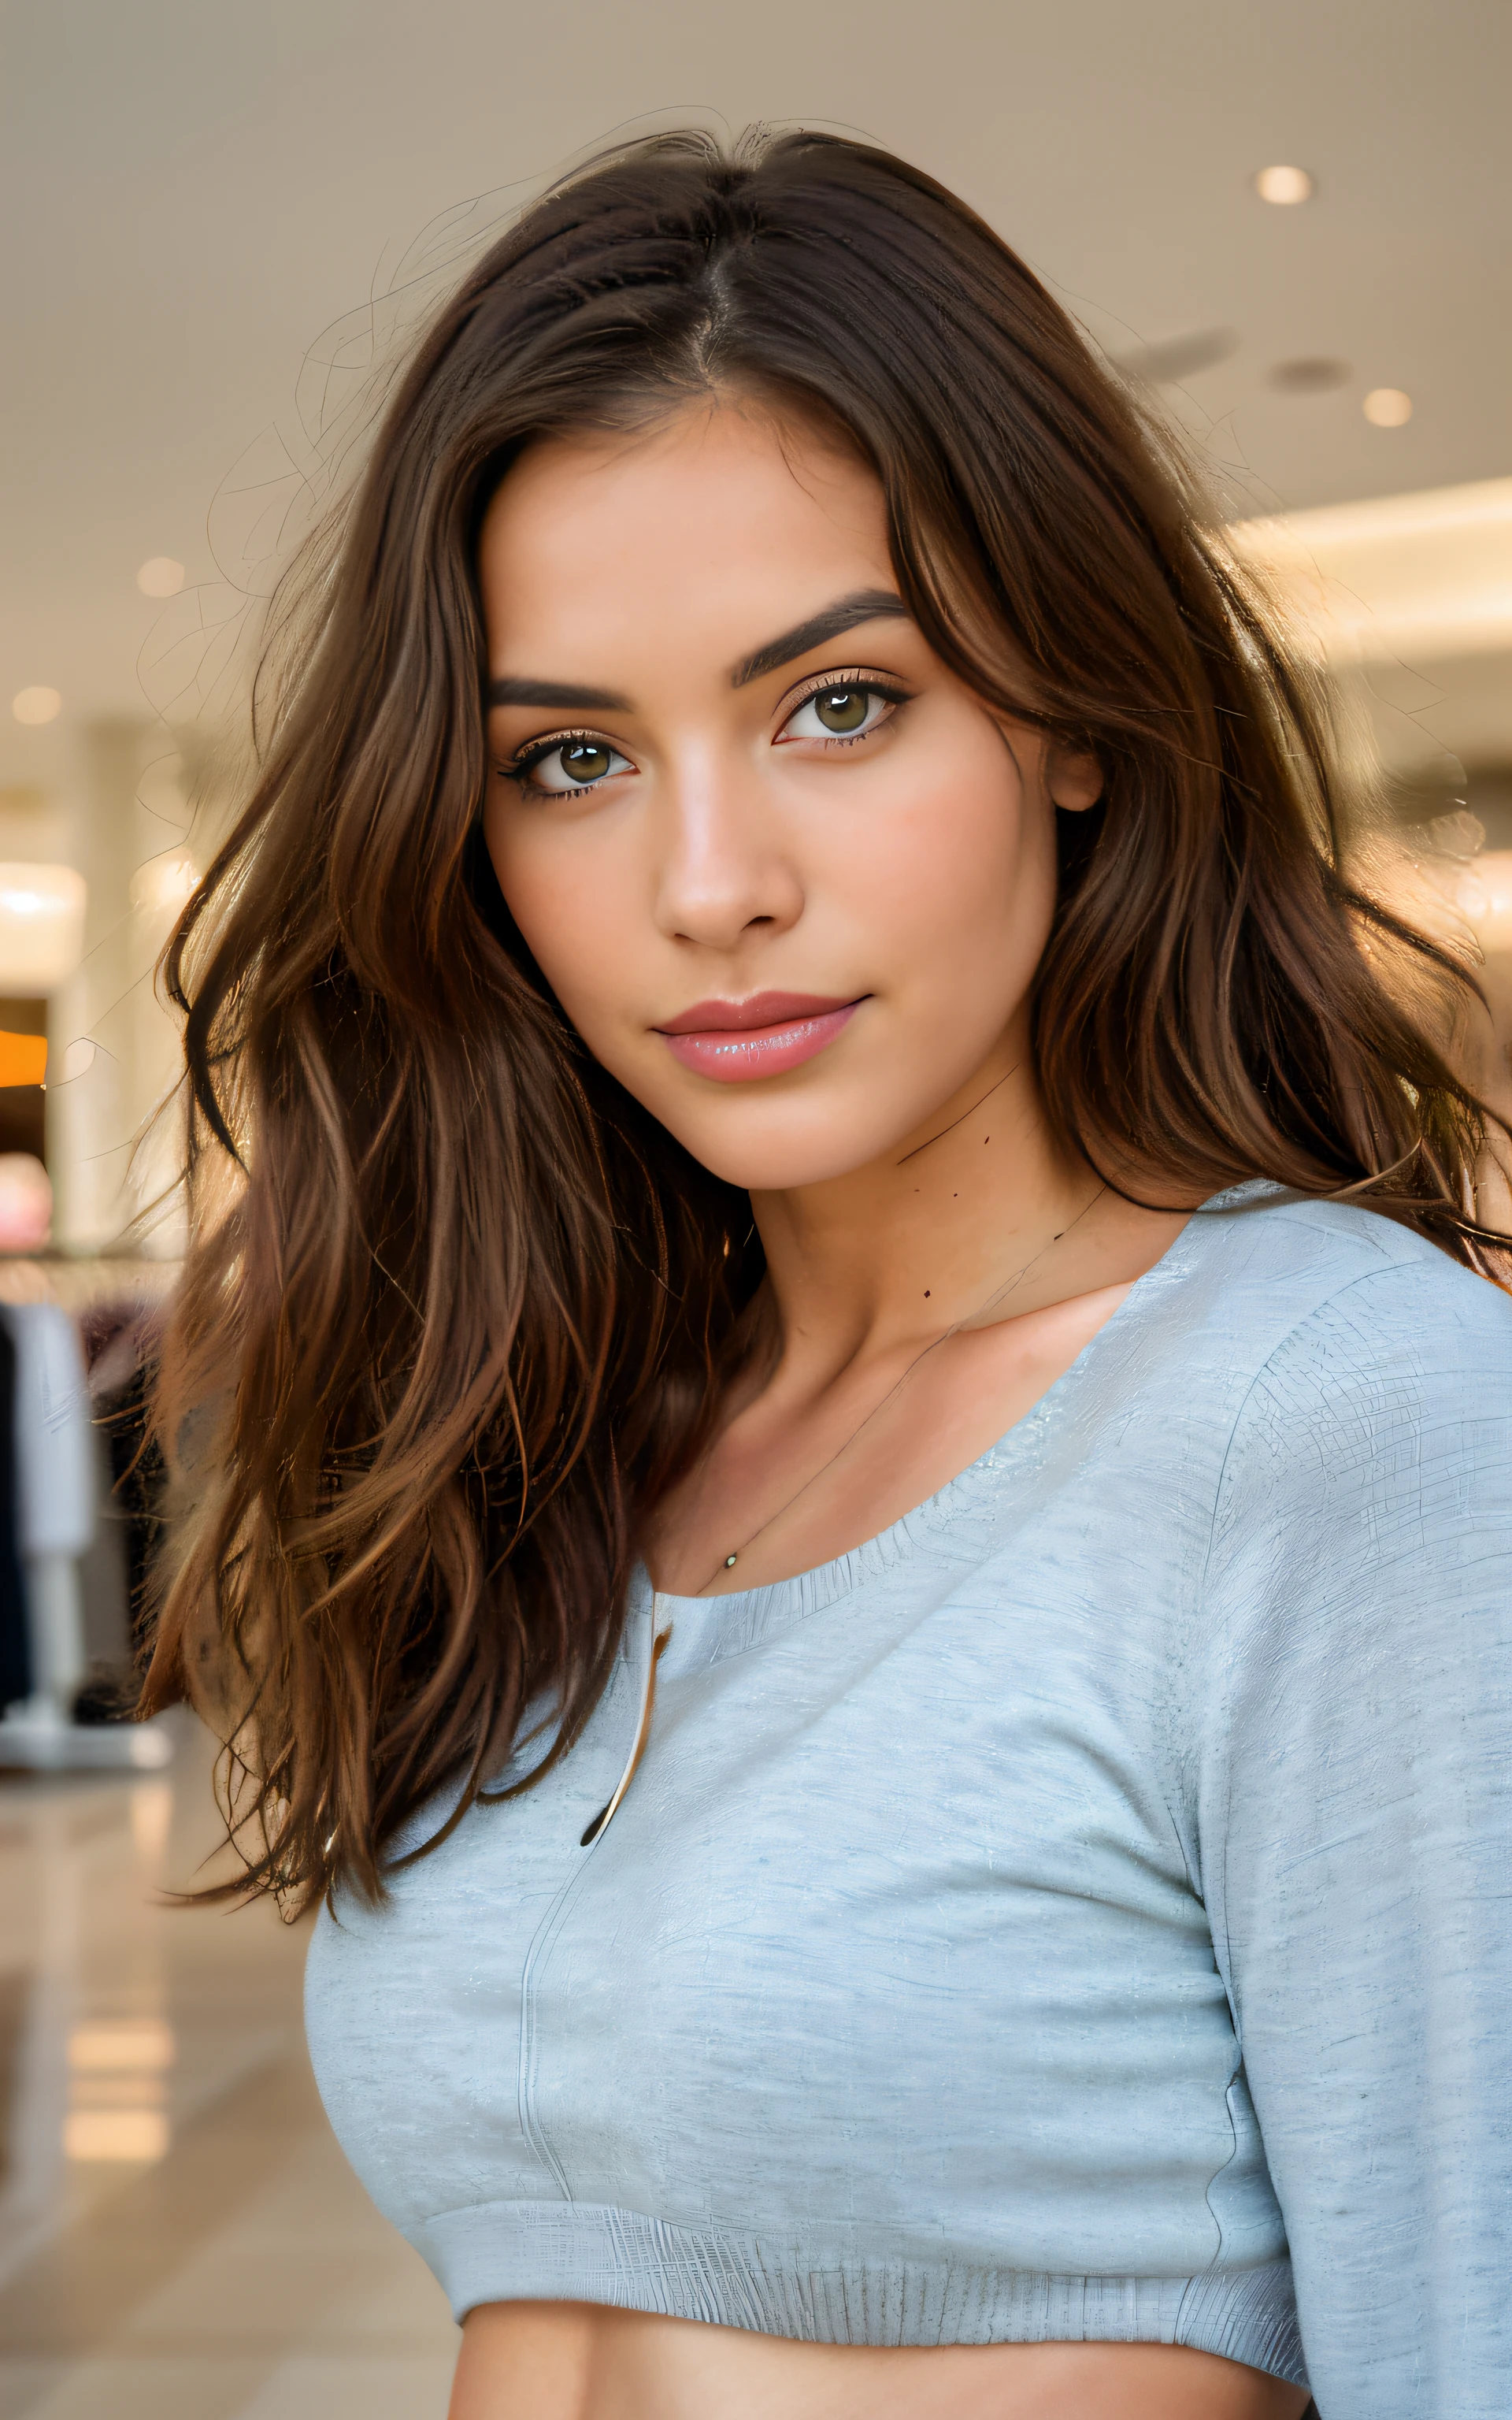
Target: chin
(768,1153)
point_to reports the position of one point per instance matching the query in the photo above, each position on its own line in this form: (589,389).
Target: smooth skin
(698,795)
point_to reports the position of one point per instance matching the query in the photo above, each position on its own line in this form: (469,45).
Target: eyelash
(535,750)
(872,684)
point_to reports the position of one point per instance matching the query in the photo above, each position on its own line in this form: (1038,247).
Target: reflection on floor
(179,2237)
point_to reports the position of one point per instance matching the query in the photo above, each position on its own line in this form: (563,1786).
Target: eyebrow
(557,697)
(864,605)
(567,697)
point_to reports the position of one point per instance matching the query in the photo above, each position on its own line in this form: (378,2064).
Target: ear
(1073,778)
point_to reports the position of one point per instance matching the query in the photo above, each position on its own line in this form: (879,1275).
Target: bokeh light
(160,576)
(1387,406)
(1284,185)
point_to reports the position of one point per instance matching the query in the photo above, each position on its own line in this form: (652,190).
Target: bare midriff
(578,2361)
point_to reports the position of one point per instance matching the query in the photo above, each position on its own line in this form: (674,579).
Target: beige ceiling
(195,189)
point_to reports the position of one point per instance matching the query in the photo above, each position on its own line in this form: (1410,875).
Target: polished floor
(180,2238)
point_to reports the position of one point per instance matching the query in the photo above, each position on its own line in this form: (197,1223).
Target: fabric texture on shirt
(1078,1913)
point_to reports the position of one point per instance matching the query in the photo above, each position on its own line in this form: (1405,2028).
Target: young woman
(846,1430)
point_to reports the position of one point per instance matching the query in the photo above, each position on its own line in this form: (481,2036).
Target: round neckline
(747,1610)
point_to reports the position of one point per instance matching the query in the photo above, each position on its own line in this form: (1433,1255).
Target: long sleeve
(1352,1754)
(55,1444)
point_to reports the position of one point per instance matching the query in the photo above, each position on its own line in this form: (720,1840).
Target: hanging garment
(15,1644)
(55,1448)
(54,1463)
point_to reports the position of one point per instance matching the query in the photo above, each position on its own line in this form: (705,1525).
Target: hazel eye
(842,709)
(847,711)
(572,765)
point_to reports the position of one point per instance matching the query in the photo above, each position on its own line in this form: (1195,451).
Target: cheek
(961,880)
(568,903)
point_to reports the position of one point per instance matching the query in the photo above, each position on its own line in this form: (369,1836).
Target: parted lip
(763,1008)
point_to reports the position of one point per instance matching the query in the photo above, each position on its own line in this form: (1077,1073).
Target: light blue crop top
(1080,1913)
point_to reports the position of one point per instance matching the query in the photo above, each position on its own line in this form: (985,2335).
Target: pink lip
(735,1040)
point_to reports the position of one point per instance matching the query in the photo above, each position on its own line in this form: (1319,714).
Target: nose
(726,866)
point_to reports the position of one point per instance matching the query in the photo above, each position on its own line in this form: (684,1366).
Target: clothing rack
(54,1490)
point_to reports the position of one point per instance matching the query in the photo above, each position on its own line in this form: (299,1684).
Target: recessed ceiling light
(1284,185)
(35,704)
(1387,406)
(160,577)
(1313,374)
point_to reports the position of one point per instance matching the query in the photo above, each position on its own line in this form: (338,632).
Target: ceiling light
(1284,185)
(1314,374)
(160,577)
(1409,579)
(1387,406)
(41,925)
(35,704)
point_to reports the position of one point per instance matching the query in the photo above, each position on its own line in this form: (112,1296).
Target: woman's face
(789,879)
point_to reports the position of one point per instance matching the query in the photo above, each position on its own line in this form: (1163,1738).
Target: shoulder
(1327,1288)
(1374,1425)
(1352,1618)
(1271,1308)
(1281,1339)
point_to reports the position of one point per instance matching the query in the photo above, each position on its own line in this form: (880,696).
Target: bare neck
(924,1237)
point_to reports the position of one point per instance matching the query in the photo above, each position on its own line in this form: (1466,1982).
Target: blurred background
(1286,219)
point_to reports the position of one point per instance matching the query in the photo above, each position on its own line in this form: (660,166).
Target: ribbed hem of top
(511,2252)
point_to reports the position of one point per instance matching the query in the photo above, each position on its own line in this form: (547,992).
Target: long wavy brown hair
(458,1312)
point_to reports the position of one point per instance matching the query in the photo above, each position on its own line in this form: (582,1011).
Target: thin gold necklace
(728,1562)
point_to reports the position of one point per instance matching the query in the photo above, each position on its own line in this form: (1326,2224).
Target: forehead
(706,533)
